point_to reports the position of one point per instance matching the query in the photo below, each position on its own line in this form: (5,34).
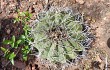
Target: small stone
(46,1)
(15,15)
(80,1)
(8,31)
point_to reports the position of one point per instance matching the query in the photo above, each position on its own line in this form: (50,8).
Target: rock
(8,31)
(46,1)
(80,1)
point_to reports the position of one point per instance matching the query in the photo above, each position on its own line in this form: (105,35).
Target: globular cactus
(58,36)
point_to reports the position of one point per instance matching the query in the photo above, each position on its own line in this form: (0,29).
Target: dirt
(96,14)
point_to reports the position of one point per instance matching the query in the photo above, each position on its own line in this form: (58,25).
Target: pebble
(80,1)
(8,31)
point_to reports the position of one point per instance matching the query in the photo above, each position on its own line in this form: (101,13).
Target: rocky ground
(96,14)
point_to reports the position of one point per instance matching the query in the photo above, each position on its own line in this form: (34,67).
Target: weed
(9,55)
(24,39)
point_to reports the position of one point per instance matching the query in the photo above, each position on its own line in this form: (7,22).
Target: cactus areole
(58,36)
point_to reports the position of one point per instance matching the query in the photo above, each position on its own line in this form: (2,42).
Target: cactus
(58,36)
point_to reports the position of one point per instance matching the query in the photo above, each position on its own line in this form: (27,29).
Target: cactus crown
(58,36)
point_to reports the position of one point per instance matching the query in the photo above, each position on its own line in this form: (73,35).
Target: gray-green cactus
(58,36)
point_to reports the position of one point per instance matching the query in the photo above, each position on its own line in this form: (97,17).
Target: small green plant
(24,17)
(24,39)
(14,45)
(9,55)
(13,42)
(58,36)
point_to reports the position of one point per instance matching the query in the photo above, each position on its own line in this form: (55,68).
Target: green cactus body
(58,37)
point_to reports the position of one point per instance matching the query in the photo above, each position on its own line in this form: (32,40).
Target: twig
(106,63)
